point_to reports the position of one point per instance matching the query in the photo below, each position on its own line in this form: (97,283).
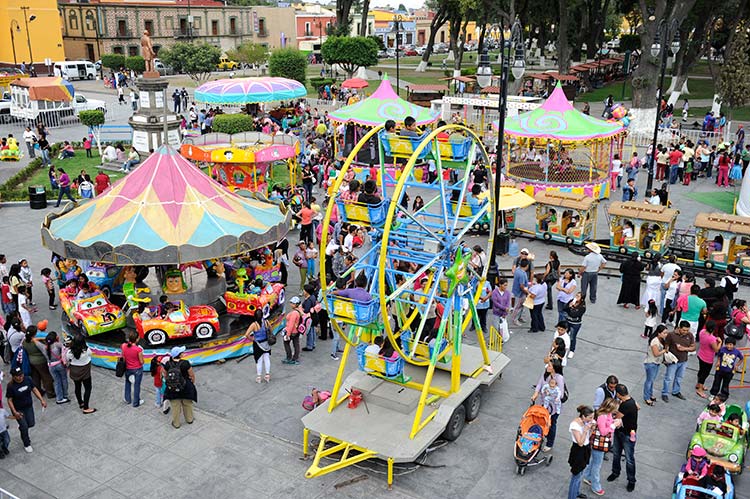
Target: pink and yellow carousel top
(244,148)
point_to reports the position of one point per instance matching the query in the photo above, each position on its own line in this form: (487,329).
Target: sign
(173,137)
(140,140)
(256,23)
(145,100)
(158,100)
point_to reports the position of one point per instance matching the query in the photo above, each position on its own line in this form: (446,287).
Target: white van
(75,70)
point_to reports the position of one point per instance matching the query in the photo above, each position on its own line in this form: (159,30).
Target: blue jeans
(4,440)
(25,422)
(652,371)
(552,431)
(138,373)
(310,338)
(673,174)
(674,372)
(335,343)
(621,442)
(60,378)
(130,164)
(560,311)
(591,473)
(663,298)
(45,157)
(575,485)
(64,191)
(573,331)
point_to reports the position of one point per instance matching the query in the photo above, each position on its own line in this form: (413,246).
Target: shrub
(288,63)
(136,63)
(92,118)
(317,82)
(113,61)
(233,123)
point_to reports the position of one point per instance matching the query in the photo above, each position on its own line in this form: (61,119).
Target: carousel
(556,147)
(157,237)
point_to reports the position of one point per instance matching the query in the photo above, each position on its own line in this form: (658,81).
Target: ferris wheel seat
(368,214)
(455,150)
(377,364)
(398,146)
(353,311)
(424,349)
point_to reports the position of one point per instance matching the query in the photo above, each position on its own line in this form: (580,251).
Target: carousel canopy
(166,212)
(557,119)
(382,105)
(241,91)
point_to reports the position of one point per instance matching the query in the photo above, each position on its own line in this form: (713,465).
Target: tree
(734,85)
(197,60)
(378,41)
(113,61)
(93,119)
(351,53)
(441,10)
(343,18)
(135,63)
(365,11)
(563,49)
(288,63)
(249,53)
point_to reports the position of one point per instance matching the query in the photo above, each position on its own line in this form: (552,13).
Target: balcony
(309,33)
(262,33)
(123,34)
(185,33)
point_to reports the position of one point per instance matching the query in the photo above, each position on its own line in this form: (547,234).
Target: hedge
(233,123)
(317,82)
(7,190)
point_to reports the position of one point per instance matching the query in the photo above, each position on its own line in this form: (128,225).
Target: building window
(262,27)
(117,50)
(183,26)
(328,26)
(232,25)
(73,20)
(196,22)
(122,28)
(215,28)
(169,23)
(133,50)
(308,32)
(149,26)
(90,20)
(442,37)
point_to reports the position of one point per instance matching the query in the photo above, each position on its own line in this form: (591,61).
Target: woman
(538,291)
(37,355)
(56,365)
(14,334)
(551,275)
(630,290)
(574,311)
(566,288)
(580,451)
(653,286)
(557,351)
(654,358)
(15,281)
(553,368)
(670,298)
(257,332)
(133,355)
(740,314)
(79,361)
(709,345)
(601,442)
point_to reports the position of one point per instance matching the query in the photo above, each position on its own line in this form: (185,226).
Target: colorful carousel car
(565,216)
(722,242)
(199,321)
(104,276)
(93,314)
(640,228)
(716,485)
(723,442)
(269,299)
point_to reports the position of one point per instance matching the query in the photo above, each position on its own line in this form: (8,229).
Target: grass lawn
(699,89)
(721,200)
(738,114)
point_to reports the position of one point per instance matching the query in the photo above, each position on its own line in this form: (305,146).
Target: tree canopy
(734,85)
(113,61)
(351,53)
(197,60)
(288,63)
(249,53)
(136,63)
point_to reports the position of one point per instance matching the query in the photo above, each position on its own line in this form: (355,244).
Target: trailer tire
(456,424)
(472,405)
(648,255)
(569,241)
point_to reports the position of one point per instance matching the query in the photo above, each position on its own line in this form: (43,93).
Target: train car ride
(640,227)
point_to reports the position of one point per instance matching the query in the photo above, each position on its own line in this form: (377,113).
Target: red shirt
(101,181)
(306,215)
(130,354)
(675,157)
(724,161)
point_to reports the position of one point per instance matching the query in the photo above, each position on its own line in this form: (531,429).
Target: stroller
(534,426)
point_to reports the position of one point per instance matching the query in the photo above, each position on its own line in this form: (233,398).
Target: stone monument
(153,119)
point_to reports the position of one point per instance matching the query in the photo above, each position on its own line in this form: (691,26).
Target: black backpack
(731,287)
(175,379)
(734,331)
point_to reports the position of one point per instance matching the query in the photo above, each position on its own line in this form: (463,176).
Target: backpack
(734,331)
(175,379)
(305,323)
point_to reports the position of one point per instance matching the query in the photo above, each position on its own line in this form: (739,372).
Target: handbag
(120,368)
(669,358)
(601,442)
(528,302)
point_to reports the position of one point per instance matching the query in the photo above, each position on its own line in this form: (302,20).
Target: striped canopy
(166,212)
(242,91)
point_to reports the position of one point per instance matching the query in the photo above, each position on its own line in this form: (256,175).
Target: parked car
(82,103)
(93,314)
(5,103)
(410,52)
(163,69)
(391,52)
(440,48)
(226,64)
(8,71)
(199,321)
(382,54)
(420,50)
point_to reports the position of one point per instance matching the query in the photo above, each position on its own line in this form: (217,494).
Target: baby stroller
(534,426)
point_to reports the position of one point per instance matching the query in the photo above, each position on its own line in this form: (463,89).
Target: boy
(730,360)
(19,395)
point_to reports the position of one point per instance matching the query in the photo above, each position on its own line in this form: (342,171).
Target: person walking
(18,393)
(180,390)
(519,291)
(679,342)
(729,361)
(257,332)
(551,275)
(56,365)
(79,362)
(630,289)
(574,311)
(133,355)
(294,321)
(538,292)
(601,443)
(552,369)
(500,300)
(710,344)
(63,182)
(566,289)
(483,305)
(592,264)
(654,359)
(580,429)
(624,437)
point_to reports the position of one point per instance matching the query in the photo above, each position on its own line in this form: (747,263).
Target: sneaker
(2,454)
(334,356)
(53,307)
(287,361)
(571,355)
(631,486)
(307,349)
(295,362)
(28,449)
(599,492)
(612,477)
(63,401)
(546,449)
(140,403)
(665,398)
(587,481)
(679,396)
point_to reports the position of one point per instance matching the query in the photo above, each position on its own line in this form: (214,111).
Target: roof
(427,87)
(578,201)
(724,223)
(465,79)
(47,88)
(643,211)
(554,75)
(492,89)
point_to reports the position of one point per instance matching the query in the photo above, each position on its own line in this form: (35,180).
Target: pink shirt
(706,352)
(130,354)
(604,423)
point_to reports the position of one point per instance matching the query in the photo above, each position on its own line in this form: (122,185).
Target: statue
(147,51)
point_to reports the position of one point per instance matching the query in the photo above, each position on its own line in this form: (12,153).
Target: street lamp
(663,32)
(13,39)
(484,71)
(27,19)
(397,20)
(512,45)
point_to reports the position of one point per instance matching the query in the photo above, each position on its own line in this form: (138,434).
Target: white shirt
(580,429)
(592,262)
(28,136)
(668,271)
(349,242)
(25,314)
(372,351)
(110,153)
(617,166)
(672,291)
(627,232)
(566,339)
(730,278)
(655,200)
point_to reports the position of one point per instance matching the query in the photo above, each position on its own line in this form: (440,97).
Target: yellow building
(42,40)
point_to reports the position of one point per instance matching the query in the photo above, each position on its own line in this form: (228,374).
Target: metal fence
(667,136)
(4,494)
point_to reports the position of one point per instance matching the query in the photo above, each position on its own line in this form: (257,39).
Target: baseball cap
(16,371)
(176,351)
(525,250)
(294,300)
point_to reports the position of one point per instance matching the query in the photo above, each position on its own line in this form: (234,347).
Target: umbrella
(249,90)
(512,199)
(355,83)
(166,212)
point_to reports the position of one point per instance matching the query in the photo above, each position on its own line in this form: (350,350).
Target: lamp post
(513,45)
(27,19)
(13,39)
(663,32)
(397,19)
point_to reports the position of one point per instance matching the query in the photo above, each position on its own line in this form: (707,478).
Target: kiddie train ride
(419,298)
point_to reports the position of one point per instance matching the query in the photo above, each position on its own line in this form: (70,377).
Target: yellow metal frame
(344,461)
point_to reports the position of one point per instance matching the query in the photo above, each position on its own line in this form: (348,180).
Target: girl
(538,291)
(79,360)
(133,355)
(654,358)
(574,311)
(601,442)
(670,298)
(311,254)
(723,179)
(566,288)
(580,451)
(26,278)
(551,275)
(709,344)
(652,318)
(616,172)
(49,285)
(736,172)
(87,146)
(57,367)
(257,332)
(418,204)
(24,308)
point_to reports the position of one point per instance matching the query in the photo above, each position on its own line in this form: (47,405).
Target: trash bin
(37,197)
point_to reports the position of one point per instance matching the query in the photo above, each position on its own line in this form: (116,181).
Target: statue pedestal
(148,121)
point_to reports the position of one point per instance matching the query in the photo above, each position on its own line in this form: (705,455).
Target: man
(524,255)
(713,294)
(180,387)
(675,158)
(729,283)
(291,334)
(623,439)
(21,405)
(667,271)
(101,182)
(176,100)
(693,307)
(679,342)
(410,127)
(592,264)
(369,196)
(147,52)
(739,141)
(519,291)
(605,391)
(629,190)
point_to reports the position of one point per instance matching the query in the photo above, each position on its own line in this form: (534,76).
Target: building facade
(312,23)
(30,29)
(92,29)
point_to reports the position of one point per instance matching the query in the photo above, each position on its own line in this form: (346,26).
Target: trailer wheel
(569,241)
(623,250)
(547,236)
(648,255)
(709,265)
(472,404)
(455,424)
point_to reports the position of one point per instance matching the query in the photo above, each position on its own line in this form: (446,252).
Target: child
(736,172)
(551,396)
(734,420)
(4,435)
(710,413)
(159,375)
(87,146)
(7,297)
(652,319)
(729,361)
(312,255)
(26,277)
(25,309)
(49,285)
